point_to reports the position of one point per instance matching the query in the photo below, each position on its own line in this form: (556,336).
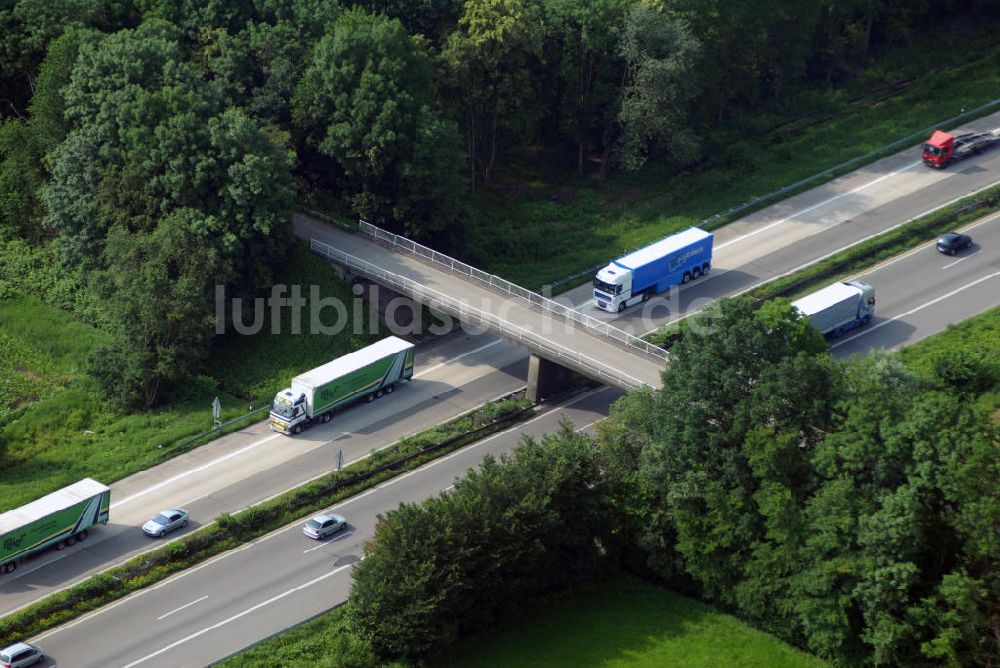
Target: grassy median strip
(863,255)
(231,530)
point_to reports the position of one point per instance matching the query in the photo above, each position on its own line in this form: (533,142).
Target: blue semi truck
(677,259)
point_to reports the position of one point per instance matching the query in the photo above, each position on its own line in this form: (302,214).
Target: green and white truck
(367,373)
(57,519)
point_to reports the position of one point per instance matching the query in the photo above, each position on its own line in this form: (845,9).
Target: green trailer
(56,520)
(364,374)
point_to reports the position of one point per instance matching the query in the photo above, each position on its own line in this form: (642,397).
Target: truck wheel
(61,545)
(687,277)
(82,536)
(9,567)
(705,268)
(621,307)
(645,296)
(325,418)
(695,273)
(370,398)
(378,395)
(298,429)
(388,389)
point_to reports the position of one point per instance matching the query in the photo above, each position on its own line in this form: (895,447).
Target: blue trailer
(677,259)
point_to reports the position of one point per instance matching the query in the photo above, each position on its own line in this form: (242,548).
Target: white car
(19,655)
(165,521)
(322,526)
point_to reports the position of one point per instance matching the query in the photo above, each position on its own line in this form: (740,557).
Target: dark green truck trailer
(55,520)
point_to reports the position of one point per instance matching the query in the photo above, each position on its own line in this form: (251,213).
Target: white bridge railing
(495,282)
(472,315)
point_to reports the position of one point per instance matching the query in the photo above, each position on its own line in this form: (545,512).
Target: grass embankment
(230,531)
(628,623)
(622,621)
(535,225)
(976,339)
(56,425)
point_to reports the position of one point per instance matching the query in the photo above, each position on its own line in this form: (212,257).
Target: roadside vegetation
(839,506)
(624,622)
(152,152)
(232,530)
(621,621)
(58,424)
(966,356)
(861,256)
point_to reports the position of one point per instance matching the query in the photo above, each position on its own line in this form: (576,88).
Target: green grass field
(534,225)
(56,427)
(624,622)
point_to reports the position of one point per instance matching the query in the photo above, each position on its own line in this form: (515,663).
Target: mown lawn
(625,622)
(56,425)
(535,225)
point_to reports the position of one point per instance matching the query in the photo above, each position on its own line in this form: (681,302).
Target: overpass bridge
(557,337)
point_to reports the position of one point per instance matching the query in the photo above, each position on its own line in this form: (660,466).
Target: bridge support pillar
(546,378)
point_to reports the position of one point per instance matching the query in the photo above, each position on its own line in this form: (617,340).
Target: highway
(209,612)
(462,370)
(218,608)
(924,291)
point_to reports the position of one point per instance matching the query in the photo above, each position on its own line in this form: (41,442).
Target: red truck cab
(939,149)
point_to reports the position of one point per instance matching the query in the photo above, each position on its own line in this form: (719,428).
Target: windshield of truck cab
(933,150)
(607,288)
(283,408)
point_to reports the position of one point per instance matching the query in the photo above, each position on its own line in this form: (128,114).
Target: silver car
(20,654)
(322,526)
(165,522)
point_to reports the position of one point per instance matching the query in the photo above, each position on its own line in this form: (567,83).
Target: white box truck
(55,520)
(839,307)
(366,373)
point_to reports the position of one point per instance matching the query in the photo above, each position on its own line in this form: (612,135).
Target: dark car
(953,242)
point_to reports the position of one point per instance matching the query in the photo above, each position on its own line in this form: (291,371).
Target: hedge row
(231,530)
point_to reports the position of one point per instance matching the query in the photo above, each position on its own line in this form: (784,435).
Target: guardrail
(719,219)
(470,314)
(502,285)
(844,166)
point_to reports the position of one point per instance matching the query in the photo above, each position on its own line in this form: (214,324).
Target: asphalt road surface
(924,291)
(213,610)
(458,372)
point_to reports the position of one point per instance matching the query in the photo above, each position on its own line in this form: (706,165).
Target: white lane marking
(962,259)
(588,426)
(188,605)
(888,262)
(456,358)
(278,532)
(919,308)
(822,257)
(197,469)
(818,205)
(272,437)
(343,533)
(238,615)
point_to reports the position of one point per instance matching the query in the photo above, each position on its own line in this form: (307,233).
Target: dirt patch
(26,372)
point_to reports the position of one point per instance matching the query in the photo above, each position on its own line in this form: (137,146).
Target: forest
(153,147)
(847,507)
